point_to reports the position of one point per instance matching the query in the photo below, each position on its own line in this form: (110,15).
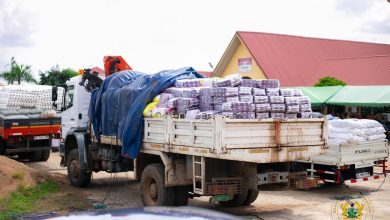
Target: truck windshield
(69,97)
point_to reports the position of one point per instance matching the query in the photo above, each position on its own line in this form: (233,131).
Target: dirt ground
(271,204)
(13,175)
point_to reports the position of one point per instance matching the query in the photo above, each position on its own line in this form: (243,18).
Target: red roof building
(302,61)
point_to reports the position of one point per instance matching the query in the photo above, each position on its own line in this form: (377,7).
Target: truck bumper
(21,150)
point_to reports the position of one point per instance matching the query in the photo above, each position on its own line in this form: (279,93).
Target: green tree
(18,73)
(330,81)
(56,76)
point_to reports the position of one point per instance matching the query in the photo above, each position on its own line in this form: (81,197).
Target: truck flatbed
(254,141)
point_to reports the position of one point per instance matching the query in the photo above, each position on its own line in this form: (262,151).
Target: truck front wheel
(77,177)
(153,190)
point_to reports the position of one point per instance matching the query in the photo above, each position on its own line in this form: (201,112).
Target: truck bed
(361,155)
(29,126)
(253,141)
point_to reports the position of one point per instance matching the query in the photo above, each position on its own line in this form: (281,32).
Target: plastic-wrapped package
(264,107)
(227,106)
(249,83)
(191,92)
(172,103)
(206,92)
(244,91)
(188,83)
(287,92)
(291,115)
(246,98)
(188,102)
(272,92)
(262,115)
(278,108)
(259,92)
(164,98)
(206,82)
(297,92)
(228,114)
(376,137)
(191,114)
(305,107)
(205,107)
(305,114)
(206,115)
(268,83)
(260,99)
(218,107)
(160,112)
(336,142)
(229,81)
(292,109)
(243,107)
(219,99)
(177,92)
(292,100)
(277,115)
(304,100)
(232,99)
(276,99)
(170,90)
(244,115)
(225,91)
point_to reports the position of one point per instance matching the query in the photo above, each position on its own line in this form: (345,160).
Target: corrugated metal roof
(301,61)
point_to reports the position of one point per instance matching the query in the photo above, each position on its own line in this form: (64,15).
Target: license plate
(362,175)
(366,164)
(42,137)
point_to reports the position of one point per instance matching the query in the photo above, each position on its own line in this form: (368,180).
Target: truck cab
(75,115)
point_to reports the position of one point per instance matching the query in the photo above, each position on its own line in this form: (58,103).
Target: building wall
(232,67)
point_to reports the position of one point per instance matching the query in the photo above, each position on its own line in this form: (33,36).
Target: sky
(154,35)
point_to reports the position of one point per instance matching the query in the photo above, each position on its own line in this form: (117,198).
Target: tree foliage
(55,76)
(330,81)
(18,73)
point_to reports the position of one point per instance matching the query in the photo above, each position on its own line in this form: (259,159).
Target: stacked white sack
(354,131)
(22,97)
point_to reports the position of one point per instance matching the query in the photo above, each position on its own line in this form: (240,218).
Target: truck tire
(251,197)
(35,156)
(23,156)
(45,155)
(238,199)
(181,195)
(77,177)
(153,190)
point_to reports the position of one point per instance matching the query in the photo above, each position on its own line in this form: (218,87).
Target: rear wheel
(251,197)
(45,155)
(153,190)
(238,199)
(77,177)
(35,156)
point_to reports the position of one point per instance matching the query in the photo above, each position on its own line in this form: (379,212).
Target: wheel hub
(153,190)
(74,168)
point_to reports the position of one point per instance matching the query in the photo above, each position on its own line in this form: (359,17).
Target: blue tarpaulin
(116,108)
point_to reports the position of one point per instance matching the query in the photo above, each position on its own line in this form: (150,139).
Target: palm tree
(18,73)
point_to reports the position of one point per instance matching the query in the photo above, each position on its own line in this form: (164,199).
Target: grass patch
(24,200)
(19,175)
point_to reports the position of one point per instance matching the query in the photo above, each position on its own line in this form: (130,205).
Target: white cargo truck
(229,159)
(349,163)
